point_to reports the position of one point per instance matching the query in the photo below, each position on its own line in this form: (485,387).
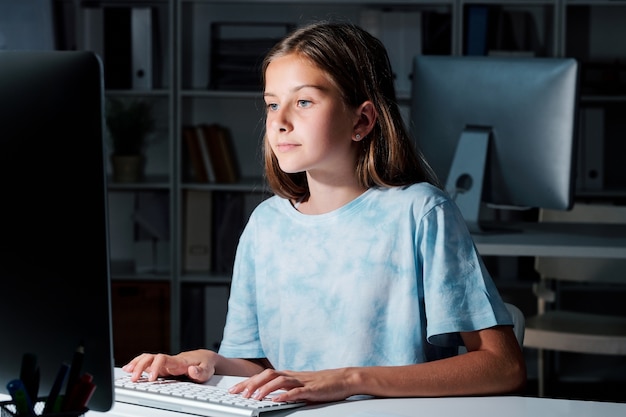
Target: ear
(366,116)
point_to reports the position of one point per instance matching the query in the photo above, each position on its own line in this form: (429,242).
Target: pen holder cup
(8,409)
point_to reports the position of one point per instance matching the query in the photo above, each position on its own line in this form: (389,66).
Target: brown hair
(358,64)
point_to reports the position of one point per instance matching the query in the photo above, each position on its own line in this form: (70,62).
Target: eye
(272,106)
(304,103)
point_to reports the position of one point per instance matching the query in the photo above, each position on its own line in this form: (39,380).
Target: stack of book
(237,50)
(211,154)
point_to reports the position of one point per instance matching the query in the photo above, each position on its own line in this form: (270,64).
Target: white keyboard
(189,397)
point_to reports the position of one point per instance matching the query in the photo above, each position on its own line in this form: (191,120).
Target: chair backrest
(519,322)
(584,269)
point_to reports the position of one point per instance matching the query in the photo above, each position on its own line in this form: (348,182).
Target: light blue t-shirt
(388,279)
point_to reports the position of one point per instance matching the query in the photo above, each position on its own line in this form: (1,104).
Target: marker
(79,396)
(74,372)
(29,375)
(23,405)
(51,401)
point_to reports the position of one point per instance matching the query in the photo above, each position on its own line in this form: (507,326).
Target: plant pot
(127,168)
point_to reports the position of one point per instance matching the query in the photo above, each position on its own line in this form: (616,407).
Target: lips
(286,146)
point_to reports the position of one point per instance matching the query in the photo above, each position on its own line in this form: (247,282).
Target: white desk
(412,407)
(509,406)
(555,239)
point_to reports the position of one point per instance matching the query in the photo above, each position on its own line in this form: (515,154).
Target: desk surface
(510,406)
(555,239)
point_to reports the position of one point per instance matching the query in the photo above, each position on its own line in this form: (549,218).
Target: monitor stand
(467,173)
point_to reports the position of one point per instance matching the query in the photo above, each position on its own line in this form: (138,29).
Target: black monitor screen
(54,266)
(521,111)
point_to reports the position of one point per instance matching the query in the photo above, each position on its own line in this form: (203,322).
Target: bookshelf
(185,95)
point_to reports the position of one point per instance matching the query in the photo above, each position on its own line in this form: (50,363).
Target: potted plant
(129,122)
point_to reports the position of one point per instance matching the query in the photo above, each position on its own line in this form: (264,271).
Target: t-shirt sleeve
(459,293)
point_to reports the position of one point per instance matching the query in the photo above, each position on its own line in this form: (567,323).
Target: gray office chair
(519,322)
(555,329)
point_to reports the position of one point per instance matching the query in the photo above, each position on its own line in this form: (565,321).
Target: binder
(401,33)
(476,41)
(591,149)
(198,231)
(142,48)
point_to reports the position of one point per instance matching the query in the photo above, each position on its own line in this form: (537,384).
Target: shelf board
(246,185)
(205,278)
(602,98)
(211,93)
(333,2)
(595,3)
(152,182)
(606,193)
(124,270)
(138,93)
(512,2)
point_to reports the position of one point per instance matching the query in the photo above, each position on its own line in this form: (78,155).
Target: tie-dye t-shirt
(388,279)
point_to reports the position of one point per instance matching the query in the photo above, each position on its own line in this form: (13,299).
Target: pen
(23,405)
(51,401)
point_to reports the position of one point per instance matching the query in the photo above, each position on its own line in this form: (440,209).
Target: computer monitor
(54,252)
(498,130)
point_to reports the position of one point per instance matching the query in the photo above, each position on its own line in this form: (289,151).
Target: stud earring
(358,137)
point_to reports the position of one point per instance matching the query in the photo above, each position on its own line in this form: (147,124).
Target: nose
(279,121)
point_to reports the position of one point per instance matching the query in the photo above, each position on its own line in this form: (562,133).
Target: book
(198,228)
(228,155)
(152,215)
(477,29)
(215,310)
(203,145)
(117,49)
(221,153)
(437,32)
(195,154)
(152,235)
(515,34)
(228,224)
(93,29)
(237,49)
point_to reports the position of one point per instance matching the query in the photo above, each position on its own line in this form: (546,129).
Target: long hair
(359,66)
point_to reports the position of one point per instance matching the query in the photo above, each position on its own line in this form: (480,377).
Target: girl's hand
(317,386)
(198,365)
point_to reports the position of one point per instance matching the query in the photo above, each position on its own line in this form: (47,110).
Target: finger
(130,366)
(246,387)
(158,365)
(281,382)
(200,373)
(139,366)
(268,381)
(294,394)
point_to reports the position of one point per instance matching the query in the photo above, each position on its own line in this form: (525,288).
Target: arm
(199,365)
(494,364)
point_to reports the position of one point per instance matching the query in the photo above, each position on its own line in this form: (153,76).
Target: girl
(359,276)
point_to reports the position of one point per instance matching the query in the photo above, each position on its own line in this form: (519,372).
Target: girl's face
(308,127)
